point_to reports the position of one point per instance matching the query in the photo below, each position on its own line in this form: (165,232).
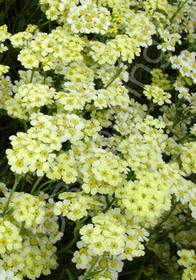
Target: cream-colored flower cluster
(75,205)
(188,260)
(184,21)
(188,157)
(88,18)
(20,105)
(169,115)
(156,94)
(186,64)
(42,49)
(151,6)
(4,35)
(145,207)
(172,21)
(5,90)
(102,172)
(161,79)
(29,230)
(33,96)
(127,45)
(111,238)
(57,10)
(169,40)
(143,148)
(135,29)
(36,150)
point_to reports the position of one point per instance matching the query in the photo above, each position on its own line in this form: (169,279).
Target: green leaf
(192,47)
(69,274)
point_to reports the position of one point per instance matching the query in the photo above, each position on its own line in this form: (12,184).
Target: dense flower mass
(29,230)
(103,107)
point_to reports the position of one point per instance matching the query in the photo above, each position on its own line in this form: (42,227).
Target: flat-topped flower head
(88,18)
(157,94)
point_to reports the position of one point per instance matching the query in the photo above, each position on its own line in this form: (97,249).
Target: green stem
(178,10)
(150,108)
(22,185)
(88,273)
(47,188)
(42,25)
(61,191)
(42,185)
(128,272)
(36,9)
(69,274)
(118,71)
(24,124)
(181,140)
(17,180)
(50,26)
(79,224)
(109,203)
(36,183)
(175,231)
(45,76)
(22,228)
(76,235)
(182,116)
(164,220)
(94,63)
(138,276)
(32,74)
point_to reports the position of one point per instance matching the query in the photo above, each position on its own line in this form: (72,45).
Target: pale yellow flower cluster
(6,88)
(88,18)
(188,260)
(112,239)
(185,19)
(21,106)
(178,129)
(183,239)
(4,69)
(29,230)
(152,5)
(156,94)
(169,40)
(171,21)
(186,64)
(4,35)
(35,150)
(75,205)
(160,79)
(188,157)
(145,207)
(42,49)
